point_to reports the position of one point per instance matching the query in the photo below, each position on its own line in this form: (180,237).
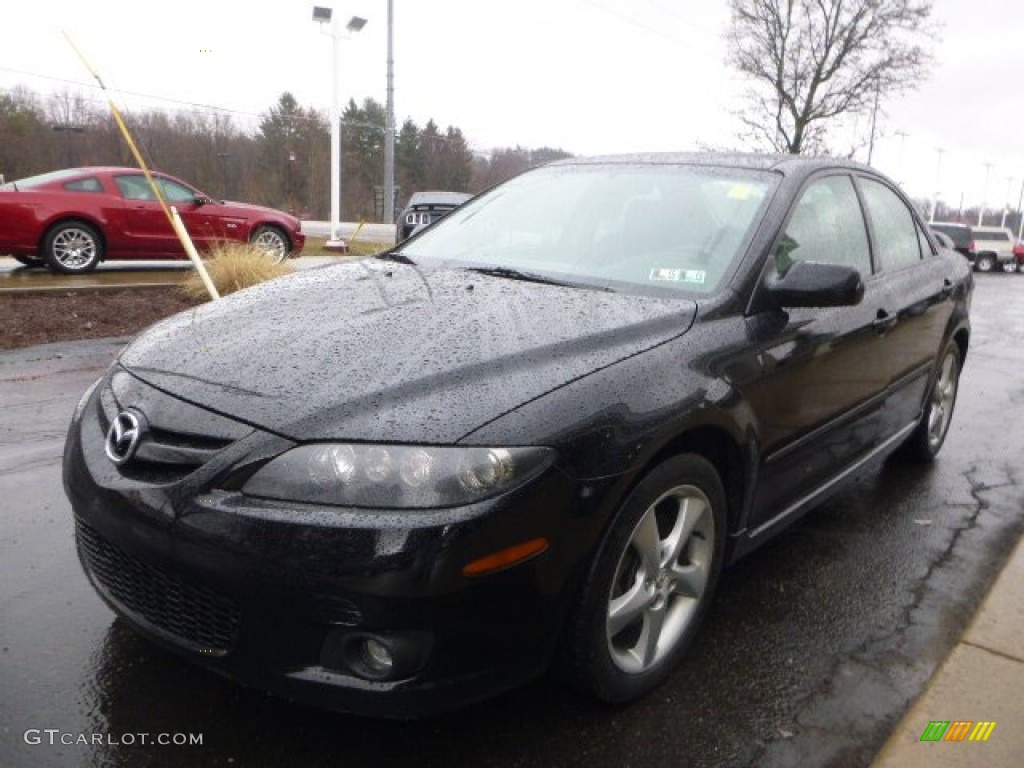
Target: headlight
(395,476)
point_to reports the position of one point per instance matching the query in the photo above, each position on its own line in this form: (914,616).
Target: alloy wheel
(943,399)
(74,248)
(660,579)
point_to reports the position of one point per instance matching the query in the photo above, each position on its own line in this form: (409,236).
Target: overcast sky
(588,76)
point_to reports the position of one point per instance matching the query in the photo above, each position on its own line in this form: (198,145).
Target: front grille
(166,455)
(197,616)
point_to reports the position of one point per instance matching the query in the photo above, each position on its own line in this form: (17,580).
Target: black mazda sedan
(528,438)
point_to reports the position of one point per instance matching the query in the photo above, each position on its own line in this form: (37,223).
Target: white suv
(994,246)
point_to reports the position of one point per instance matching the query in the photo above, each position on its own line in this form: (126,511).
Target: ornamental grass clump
(234,266)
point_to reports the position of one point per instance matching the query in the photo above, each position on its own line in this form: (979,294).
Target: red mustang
(74,219)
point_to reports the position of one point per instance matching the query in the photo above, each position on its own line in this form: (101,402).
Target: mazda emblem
(123,437)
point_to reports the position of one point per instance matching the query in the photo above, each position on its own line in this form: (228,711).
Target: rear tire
(927,439)
(30,261)
(1010,267)
(73,247)
(650,583)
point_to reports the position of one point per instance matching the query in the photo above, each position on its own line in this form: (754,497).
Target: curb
(982,678)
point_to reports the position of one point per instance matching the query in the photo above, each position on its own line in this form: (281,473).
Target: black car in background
(961,235)
(424,208)
(530,436)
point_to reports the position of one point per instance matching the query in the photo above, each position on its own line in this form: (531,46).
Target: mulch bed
(40,318)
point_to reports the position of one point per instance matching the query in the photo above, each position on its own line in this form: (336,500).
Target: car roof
(790,165)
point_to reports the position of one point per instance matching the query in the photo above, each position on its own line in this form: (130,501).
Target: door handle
(947,288)
(884,322)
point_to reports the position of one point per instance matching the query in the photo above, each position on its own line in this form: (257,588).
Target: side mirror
(200,200)
(814,284)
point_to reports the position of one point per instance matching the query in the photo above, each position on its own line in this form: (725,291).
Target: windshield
(44,178)
(620,226)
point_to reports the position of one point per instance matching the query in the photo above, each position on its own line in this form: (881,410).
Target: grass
(232,267)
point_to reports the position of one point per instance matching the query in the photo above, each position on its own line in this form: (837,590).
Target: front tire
(1010,267)
(273,241)
(73,248)
(651,582)
(926,441)
(985,262)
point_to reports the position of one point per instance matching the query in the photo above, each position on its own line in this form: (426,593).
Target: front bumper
(298,242)
(278,596)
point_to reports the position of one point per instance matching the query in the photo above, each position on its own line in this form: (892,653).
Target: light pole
(938,174)
(903,144)
(69,129)
(984,194)
(1020,212)
(389,127)
(324,16)
(224,173)
(1006,201)
(291,188)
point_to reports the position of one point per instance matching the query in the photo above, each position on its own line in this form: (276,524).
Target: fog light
(377,656)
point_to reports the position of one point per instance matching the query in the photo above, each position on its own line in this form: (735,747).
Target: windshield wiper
(533,277)
(397,256)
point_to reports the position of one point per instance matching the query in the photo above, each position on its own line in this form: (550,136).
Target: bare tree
(813,61)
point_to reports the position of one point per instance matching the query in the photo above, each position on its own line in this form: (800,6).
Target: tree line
(284,163)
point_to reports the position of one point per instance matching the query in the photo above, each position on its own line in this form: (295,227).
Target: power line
(348,123)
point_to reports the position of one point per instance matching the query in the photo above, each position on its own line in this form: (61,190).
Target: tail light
(970,247)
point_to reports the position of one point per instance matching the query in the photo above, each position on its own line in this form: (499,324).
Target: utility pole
(389,129)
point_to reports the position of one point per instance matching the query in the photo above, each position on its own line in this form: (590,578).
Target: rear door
(914,299)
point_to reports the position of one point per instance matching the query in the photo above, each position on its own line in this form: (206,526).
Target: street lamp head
(355,24)
(321,14)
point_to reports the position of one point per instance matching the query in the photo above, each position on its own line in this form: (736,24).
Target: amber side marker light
(505,558)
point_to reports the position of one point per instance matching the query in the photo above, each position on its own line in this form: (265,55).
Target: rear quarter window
(84,185)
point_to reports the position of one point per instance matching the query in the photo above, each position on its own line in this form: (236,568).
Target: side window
(135,188)
(174,192)
(826,226)
(89,184)
(896,235)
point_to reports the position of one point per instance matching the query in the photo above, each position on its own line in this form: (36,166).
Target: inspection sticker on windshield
(678,275)
(740,191)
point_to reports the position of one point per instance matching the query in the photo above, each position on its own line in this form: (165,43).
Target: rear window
(1001,236)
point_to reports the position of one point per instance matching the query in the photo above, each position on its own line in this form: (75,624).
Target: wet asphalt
(816,645)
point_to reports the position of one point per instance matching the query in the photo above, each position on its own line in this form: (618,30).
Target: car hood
(386,352)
